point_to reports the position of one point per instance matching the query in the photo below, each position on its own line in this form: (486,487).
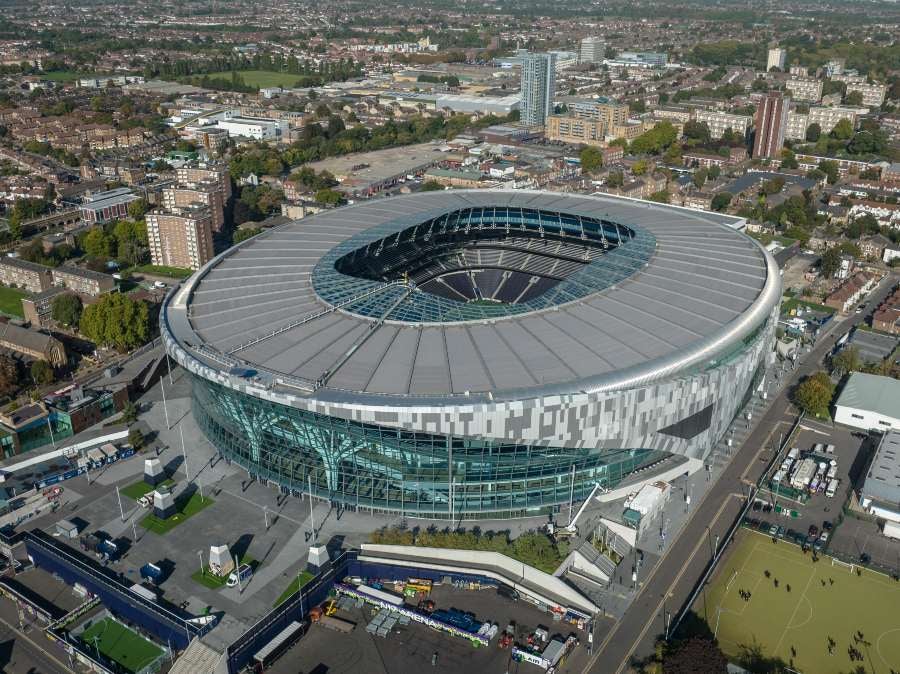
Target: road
(21,653)
(669,585)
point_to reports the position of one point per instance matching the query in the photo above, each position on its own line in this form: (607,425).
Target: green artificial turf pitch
(120,644)
(825,601)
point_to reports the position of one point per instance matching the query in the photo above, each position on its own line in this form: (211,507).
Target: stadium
(475,353)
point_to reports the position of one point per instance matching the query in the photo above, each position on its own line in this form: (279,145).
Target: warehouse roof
(682,288)
(873,393)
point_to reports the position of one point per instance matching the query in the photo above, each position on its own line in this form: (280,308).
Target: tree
(431,186)
(138,208)
(615,179)
(695,656)
(329,197)
(788,161)
(591,160)
(136,438)
(843,130)
(813,131)
(699,178)
(853,98)
(640,167)
(831,262)
(814,394)
(117,321)
(245,233)
(66,309)
(98,243)
(129,413)
(697,131)
(845,361)
(9,376)
(830,169)
(721,201)
(662,197)
(42,373)
(656,140)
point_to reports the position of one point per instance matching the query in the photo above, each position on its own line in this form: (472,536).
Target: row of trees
(117,321)
(533,548)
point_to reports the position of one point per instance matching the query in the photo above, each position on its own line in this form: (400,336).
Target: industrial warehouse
(475,354)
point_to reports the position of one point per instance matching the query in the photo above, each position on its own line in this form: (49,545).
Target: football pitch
(120,644)
(811,618)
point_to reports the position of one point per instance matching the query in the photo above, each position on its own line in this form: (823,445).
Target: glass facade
(370,467)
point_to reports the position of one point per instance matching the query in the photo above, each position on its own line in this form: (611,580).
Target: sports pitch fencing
(818,617)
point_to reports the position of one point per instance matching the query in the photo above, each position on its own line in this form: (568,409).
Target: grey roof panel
(700,279)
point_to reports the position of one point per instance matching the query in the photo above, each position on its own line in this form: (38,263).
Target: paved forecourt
(811,619)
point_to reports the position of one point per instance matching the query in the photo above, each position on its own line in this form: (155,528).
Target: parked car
(780,532)
(813,530)
(773,530)
(827,525)
(823,537)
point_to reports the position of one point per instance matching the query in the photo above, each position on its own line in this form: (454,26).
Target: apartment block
(181,237)
(38,308)
(872,94)
(593,50)
(575,130)
(205,193)
(83,281)
(805,89)
(35,278)
(218,173)
(608,112)
(825,117)
(776,58)
(538,87)
(771,117)
(718,122)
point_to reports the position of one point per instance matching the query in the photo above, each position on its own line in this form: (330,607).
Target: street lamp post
(200,554)
(121,510)
(162,387)
(312,520)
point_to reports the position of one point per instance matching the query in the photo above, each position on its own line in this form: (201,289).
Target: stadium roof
(700,289)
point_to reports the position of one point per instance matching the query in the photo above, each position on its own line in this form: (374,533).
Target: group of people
(744,594)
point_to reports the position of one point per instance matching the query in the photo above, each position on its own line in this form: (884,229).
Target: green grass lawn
(138,489)
(214,582)
(262,78)
(777,620)
(186,510)
(120,644)
(159,270)
(11,301)
(295,585)
(794,302)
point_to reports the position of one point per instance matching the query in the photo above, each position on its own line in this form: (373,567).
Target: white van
(832,488)
(244,571)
